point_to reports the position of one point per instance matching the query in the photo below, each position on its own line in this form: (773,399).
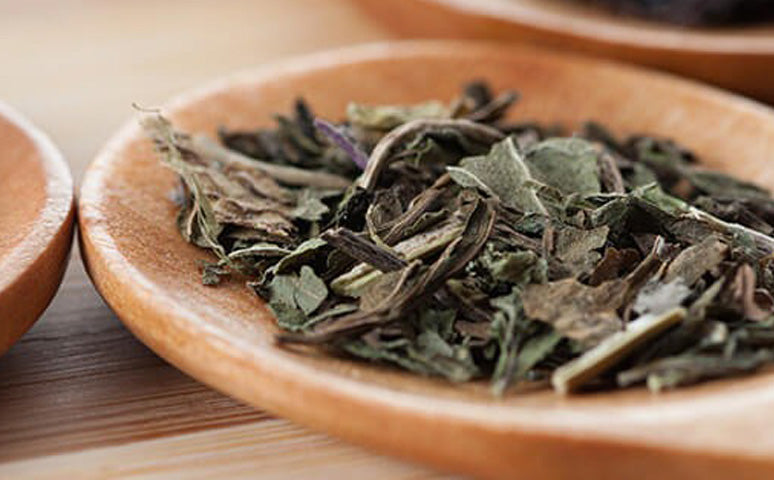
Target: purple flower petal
(338,137)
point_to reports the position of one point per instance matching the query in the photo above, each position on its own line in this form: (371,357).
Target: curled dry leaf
(743,289)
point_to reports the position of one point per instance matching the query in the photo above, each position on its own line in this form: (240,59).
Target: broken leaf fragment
(574,375)
(582,313)
(387,117)
(502,173)
(566,164)
(305,291)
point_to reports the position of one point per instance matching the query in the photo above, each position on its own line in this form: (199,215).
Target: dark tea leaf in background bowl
(695,12)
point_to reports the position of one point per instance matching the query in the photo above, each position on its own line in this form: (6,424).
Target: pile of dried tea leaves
(446,240)
(695,12)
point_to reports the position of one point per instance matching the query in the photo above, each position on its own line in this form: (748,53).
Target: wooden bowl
(223,336)
(739,58)
(36,224)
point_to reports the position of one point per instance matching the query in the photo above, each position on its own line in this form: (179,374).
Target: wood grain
(81,380)
(80,397)
(37,211)
(222,336)
(271,449)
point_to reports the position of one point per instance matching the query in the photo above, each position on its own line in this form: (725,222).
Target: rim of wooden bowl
(31,271)
(608,27)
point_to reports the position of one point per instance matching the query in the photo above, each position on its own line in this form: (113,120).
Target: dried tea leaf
(417,283)
(577,248)
(310,290)
(213,273)
(609,173)
(508,322)
(309,206)
(384,151)
(413,248)
(672,372)
(613,263)
(302,254)
(743,288)
(261,250)
(518,268)
(693,262)
(720,185)
(567,164)
(502,173)
(205,147)
(387,117)
(615,348)
(288,317)
(585,314)
(304,291)
(357,247)
(535,350)
(675,210)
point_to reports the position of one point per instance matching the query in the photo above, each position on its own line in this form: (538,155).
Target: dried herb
(443,239)
(695,12)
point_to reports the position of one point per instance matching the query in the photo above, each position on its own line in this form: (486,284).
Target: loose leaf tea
(695,12)
(444,239)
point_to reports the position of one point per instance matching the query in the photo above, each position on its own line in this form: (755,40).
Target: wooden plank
(271,449)
(79,379)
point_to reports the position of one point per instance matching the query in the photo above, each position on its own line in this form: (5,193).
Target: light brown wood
(270,449)
(737,58)
(36,223)
(223,336)
(79,381)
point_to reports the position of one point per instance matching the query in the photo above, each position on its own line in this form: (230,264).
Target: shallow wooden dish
(36,223)
(739,58)
(223,335)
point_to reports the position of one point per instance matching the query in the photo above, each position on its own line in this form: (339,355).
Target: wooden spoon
(224,335)
(737,58)
(36,223)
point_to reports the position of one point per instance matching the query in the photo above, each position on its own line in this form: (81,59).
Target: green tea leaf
(387,117)
(302,254)
(309,206)
(568,164)
(502,173)
(672,372)
(304,291)
(310,290)
(535,350)
(612,350)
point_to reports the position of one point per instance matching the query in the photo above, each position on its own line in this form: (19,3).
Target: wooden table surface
(79,396)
